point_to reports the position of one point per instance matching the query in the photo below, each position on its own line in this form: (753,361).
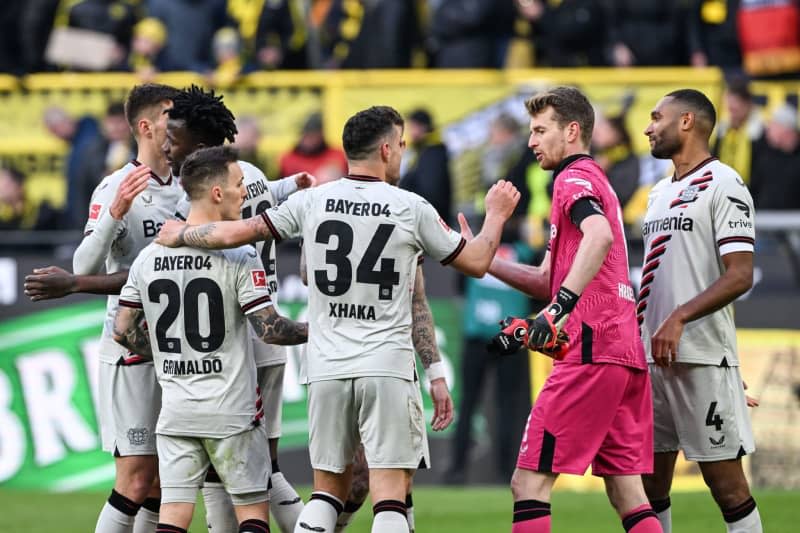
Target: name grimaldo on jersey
(190,367)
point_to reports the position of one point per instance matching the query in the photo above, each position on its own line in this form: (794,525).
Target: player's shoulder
(722,175)
(240,255)
(147,252)
(251,172)
(111,181)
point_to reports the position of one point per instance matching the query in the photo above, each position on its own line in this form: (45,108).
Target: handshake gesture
(542,333)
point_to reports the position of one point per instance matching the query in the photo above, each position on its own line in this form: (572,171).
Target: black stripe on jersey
(729,240)
(659,241)
(420,260)
(154,175)
(449,259)
(705,179)
(268,222)
(362,177)
(179,216)
(644,293)
(87,233)
(640,319)
(586,343)
(700,165)
(641,307)
(255,303)
(647,280)
(128,303)
(651,267)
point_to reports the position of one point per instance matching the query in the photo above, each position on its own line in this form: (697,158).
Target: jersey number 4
(713,419)
(191,319)
(384,277)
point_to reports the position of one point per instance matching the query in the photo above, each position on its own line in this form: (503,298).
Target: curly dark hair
(364,130)
(143,97)
(206,117)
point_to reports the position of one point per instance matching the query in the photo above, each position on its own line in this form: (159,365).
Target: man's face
(178,144)
(548,139)
(396,148)
(738,109)
(160,118)
(233,193)
(664,129)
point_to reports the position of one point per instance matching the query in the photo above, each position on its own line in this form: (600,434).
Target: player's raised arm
(273,328)
(215,235)
(476,256)
(532,280)
(128,331)
(423,336)
(53,282)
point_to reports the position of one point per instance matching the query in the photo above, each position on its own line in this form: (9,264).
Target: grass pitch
(437,509)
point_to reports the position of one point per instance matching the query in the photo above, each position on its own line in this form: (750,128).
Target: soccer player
(126,210)
(362,238)
(595,407)
(699,234)
(197,119)
(195,303)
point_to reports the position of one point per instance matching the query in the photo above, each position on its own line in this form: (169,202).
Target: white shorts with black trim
(129,401)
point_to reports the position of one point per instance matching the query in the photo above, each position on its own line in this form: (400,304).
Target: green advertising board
(49,437)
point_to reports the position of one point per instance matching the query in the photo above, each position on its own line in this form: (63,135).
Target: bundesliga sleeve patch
(94,211)
(259,278)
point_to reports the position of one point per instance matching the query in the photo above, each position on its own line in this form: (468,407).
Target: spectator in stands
(566,34)
(775,178)
(735,136)
(112,17)
(106,153)
(503,150)
(769,37)
(426,164)
(470,33)
(647,33)
(10,50)
(12,199)
(713,37)
(191,25)
(146,57)
(35,25)
(613,151)
(313,155)
(282,36)
(78,134)
(228,64)
(248,138)
(376,34)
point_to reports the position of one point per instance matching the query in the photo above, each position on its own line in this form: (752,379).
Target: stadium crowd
(224,38)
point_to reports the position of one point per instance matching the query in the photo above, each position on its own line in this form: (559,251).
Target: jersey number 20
(191,320)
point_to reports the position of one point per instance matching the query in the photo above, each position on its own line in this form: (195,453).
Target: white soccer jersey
(195,302)
(137,229)
(259,198)
(690,224)
(361,238)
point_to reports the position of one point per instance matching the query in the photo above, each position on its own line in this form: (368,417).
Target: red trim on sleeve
(255,303)
(449,259)
(128,303)
(271,227)
(730,240)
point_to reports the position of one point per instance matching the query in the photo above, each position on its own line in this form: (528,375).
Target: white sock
(320,512)
(220,517)
(284,503)
(390,522)
(747,524)
(112,520)
(145,521)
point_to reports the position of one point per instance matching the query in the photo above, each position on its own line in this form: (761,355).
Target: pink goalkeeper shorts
(598,414)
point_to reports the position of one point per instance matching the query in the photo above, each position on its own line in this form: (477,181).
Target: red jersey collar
(567,161)
(362,177)
(700,165)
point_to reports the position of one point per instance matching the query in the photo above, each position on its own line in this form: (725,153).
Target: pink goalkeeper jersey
(602,328)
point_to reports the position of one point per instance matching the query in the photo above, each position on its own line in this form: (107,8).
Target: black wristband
(566,299)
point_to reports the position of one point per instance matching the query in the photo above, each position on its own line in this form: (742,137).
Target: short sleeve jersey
(361,238)
(195,302)
(602,328)
(690,224)
(137,229)
(259,199)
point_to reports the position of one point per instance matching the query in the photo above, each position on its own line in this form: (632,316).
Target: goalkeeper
(595,407)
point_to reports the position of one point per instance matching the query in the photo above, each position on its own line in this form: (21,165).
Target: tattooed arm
(273,328)
(214,235)
(130,333)
(424,337)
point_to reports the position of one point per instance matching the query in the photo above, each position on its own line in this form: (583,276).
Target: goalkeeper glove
(512,338)
(545,326)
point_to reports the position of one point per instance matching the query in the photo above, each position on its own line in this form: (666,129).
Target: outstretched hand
(501,199)
(304,180)
(48,283)
(171,233)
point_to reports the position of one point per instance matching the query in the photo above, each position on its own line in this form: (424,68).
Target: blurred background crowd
(223,38)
